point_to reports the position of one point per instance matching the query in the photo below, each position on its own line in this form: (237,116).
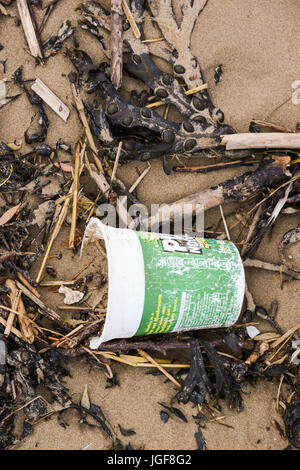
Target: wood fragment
(56,283)
(261,140)
(51,99)
(131,20)
(18,308)
(271,171)
(270,125)
(61,218)
(13,330)
(75,193)
(116,43)
(224,222)
(140,178)
(14,301)
(152,361)
(277,268)
(29,29)
(27,284)
(286,335)
(153,40)
(116,162)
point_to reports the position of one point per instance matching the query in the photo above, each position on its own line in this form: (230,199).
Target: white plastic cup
(161,283)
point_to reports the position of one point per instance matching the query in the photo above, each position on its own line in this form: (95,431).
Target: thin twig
(150,359)
(131,20)
(78,155)
(116,162)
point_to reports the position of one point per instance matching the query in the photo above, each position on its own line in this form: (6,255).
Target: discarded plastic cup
(166,283)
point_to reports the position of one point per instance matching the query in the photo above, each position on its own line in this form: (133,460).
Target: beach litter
(46,191)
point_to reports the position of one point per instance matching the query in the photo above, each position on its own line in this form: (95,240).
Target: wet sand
(256,44)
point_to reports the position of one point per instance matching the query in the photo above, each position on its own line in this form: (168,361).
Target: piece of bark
(29,29)
(51,99)
(261,140)
(116,43)
(271,171)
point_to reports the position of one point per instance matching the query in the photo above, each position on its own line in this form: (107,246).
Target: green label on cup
(189,283)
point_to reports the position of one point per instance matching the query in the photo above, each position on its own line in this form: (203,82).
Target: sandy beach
(256,43)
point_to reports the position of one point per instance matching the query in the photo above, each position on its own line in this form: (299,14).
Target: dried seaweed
(146,135)
(292,423)
(29,369)
(34,100)
(55,42)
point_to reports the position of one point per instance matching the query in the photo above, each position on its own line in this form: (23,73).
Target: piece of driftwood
(261,140)
(29,29)
(51,99)
(116,43)
(272,170)
(276,268)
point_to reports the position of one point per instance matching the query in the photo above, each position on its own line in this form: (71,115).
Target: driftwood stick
(18,307)
(271,171)
(116,43)
(159,346)
(29,29)
(277,268)
(261,140)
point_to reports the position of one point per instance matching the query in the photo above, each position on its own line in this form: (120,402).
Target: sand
(256,44)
